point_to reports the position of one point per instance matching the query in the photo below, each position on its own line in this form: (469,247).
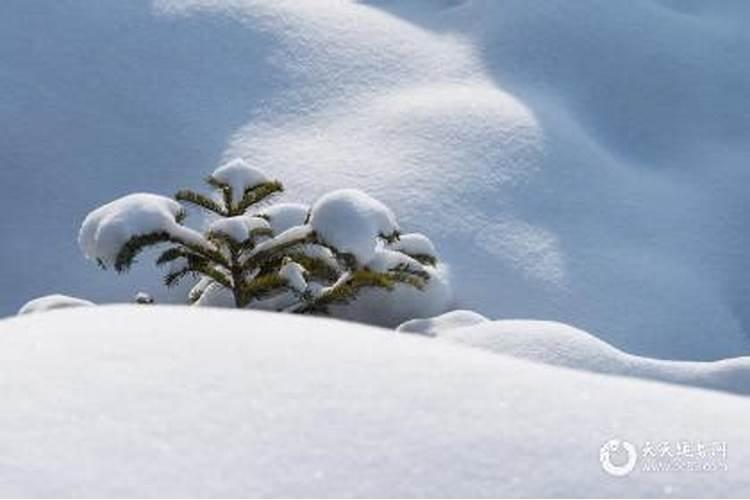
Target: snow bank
(239,176)
(50,302)
(438,325)
(559,344)
(133,401)
(106,229)
(351,221)
(582,161)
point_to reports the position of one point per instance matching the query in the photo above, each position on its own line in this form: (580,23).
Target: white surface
(351,221)
(563,345)
(238,228)
(283,216)
(106,230)
(439,325)
(240,176)
(50,302)
(157,401)
(581,161)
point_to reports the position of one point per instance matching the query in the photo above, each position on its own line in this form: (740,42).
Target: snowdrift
(160,401)
(563,345)
(583,162)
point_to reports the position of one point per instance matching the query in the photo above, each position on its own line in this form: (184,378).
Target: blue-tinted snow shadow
(74,78)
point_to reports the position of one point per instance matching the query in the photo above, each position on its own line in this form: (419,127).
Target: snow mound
(583,162)
(432,327)
(239,176)
(283,216)
(563,345)
(389,308)
(351,221)
(191,402)
(106,229)
(50,302)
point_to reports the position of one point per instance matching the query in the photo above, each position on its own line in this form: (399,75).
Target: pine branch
(262,287)
(256,194)
(226,191)
(422,258)
(135,245)
(200,200)
(260,255)
(173,278)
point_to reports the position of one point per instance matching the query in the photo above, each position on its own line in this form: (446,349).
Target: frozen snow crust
(133,401)
(583,162)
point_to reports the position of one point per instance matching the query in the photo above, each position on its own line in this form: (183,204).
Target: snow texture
(559,344)
(157,401)
(283,216)
(50,302)
(583,161)
(106,230)
(237,228)
(352,221)
(294,274)
(239,176)
(441,324)
(414,244)
(391,307)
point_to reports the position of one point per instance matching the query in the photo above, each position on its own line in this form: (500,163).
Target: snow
(158,401)
(351,221)
(50,302)
(563,345)
(294,274)
(438,325)
(283,216)
(106,229)
(414,244)
(390,308)
(237,228)
(583,162)
(240,176)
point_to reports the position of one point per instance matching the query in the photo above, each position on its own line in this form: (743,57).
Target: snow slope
(583,162)
(160,401)
(563,345)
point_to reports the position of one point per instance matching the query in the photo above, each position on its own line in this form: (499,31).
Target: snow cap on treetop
(108,228)
(240,176)
(351,221)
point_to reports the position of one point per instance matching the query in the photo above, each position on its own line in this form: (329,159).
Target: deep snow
(575,161)
(562,345)
(165,401)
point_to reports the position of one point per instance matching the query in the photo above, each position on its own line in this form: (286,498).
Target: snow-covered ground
(559,344)
(582,162)
(168,401)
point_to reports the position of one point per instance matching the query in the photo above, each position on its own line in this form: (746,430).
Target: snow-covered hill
(562,345)
(160,401)
(584,162)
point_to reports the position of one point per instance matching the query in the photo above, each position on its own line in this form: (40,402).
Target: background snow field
(122,401)
(583,162)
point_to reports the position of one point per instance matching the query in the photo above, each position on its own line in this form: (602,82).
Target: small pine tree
(241,253)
